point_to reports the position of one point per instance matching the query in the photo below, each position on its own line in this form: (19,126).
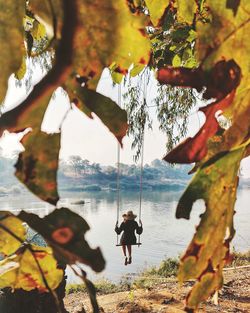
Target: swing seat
(134,244)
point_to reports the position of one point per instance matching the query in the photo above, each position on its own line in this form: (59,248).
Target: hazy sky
(89,138)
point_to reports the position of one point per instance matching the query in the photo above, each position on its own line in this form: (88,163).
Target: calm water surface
(163,236)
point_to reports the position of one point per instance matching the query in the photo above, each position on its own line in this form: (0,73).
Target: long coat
(128,228)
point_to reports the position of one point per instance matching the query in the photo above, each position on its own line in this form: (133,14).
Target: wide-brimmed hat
(130,215)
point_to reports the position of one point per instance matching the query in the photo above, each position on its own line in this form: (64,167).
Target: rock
(78,202)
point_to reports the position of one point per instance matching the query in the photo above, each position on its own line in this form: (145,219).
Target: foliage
(19,271)
(64,231)
(135,103)
(103,286)
(240,258)
(173,106)
(192,44)
(172,43)
(8,243)
(25,265)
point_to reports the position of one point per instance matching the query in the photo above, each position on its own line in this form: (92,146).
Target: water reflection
(163,236)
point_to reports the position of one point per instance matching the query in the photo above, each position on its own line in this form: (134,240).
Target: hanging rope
(141,181)
(141,178)
(142,156)
(118,167)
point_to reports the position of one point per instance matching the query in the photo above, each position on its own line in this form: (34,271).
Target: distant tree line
(76,171)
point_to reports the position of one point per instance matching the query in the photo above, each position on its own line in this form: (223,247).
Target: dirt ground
(168,297)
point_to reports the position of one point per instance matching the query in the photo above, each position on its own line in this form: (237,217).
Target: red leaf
(62,235)
(195,148)
(220,83)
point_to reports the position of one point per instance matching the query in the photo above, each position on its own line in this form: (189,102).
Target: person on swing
(128,227)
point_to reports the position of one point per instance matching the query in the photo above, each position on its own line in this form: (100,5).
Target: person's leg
(129,247)
(129,254)
(124,252)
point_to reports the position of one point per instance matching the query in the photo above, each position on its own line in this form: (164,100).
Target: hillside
(82,175)
(77,174)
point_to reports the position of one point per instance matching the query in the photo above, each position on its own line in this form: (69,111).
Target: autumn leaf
(119,38)
(64,231)
(107,110)
(11,37)
(186,10)
(25,269)
(8,243)
(121,41)
(218,151)
(50,14)
(37,165)
(156,9)
(195,149)
(220,82)
(227,38)
(35,35)
(19,118)
(20,73)
(207,253)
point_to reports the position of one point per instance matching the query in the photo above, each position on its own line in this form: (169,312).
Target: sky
(89,138)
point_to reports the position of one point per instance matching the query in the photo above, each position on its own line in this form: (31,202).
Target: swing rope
(141,182)
(142,161)
(118,168)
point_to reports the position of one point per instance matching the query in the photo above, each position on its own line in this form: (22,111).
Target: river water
(163,236)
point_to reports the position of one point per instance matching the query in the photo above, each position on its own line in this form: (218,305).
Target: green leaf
(64,231)
(38,31)
(8,243)
(137,69)
(11,38)
(207,253)
(117,77)
(186,10)
(37,165)
(176,62)
(156,9)
(21,270)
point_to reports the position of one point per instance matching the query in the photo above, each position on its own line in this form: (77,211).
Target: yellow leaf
(22,70)
(137,69)
(11,38)
(186,10)
(215,182)
(37,165)
(119,38)
(156,9)
(8,243)
(22,271)
(38,31)
(48,12)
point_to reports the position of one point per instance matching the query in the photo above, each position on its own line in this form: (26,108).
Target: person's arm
(118,229)
(139,229)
